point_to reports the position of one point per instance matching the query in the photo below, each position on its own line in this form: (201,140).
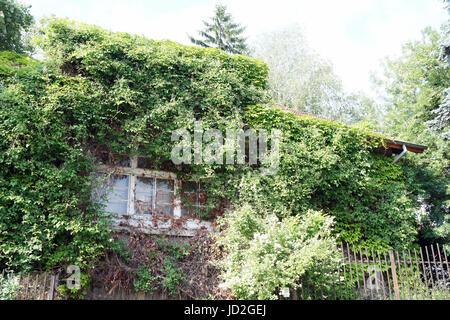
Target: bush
(265,254)
(9,287)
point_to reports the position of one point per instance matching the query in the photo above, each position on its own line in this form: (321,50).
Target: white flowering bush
(265,255)
(9,287)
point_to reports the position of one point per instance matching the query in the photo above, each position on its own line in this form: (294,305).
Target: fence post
(394,275)
(52,287)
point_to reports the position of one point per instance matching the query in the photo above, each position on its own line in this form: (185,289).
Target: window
(135,190)
(139,195)
(154,195)
(117,198)
(193,199)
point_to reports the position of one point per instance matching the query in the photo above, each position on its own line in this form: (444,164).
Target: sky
(355,35)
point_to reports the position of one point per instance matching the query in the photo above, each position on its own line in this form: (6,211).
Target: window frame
(198,205)
(133,172)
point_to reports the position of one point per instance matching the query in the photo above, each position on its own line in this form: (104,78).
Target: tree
(15,20)
(415,86)
(222,33)
(441,120)
(299,78)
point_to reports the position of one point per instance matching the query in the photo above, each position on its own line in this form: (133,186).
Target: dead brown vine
(118,267)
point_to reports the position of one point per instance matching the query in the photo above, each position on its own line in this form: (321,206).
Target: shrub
(9,287)
(265,254)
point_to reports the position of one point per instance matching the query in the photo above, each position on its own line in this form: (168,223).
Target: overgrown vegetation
(90,99)
(264,255)
(9,287)
(154,264)
(414,86)
(102,92)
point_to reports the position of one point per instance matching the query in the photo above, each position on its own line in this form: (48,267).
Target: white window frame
(132,172)
(144,222)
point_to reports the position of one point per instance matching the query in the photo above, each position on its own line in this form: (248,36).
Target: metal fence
(361,274)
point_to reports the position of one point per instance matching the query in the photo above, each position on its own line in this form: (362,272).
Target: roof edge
(395,145)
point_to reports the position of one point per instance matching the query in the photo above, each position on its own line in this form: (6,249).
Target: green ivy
(145,281)
(102,91)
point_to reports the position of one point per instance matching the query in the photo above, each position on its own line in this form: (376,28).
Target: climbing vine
(99,92)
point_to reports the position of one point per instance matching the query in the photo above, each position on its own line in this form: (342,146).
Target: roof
(396,146)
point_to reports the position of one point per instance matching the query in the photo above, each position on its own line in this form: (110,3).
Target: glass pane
(164,208)
(164,196)
(144,184)
(143,205)
(189,186)
(144,163)
(119,181)
(119,207)
(117,194)
(165,185)
(144,195)
(186,211)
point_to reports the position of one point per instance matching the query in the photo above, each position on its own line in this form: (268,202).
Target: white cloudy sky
(353,34)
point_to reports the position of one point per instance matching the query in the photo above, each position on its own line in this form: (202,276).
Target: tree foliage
(441,119)
(222,33)
(415,86)
(15,20)
(299,78)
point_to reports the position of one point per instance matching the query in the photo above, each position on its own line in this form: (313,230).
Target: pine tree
(222,33)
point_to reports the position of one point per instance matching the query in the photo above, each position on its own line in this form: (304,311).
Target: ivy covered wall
(99,91)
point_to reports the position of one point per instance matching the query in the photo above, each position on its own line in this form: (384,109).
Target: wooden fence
(32,286)
(361,274)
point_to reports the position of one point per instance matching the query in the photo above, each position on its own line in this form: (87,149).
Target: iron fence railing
(361,274)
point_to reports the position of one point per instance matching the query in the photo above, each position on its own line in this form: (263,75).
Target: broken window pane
(124,163)
(190,197)
(164,196)
(144,195)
